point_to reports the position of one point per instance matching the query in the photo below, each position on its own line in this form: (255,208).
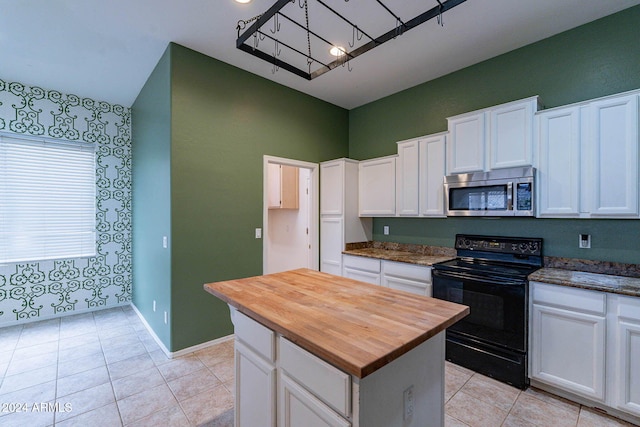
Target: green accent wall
(151,177)
(593,60)
(222,122)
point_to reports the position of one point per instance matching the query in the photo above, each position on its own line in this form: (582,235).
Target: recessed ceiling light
(243,1)
(337,51)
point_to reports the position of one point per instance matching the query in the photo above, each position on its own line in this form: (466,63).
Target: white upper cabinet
(512,134)
(492,138)
(420,169)
(588,159)
(332,188)
(613,166)
(466,151)
(559,163)
(432,171)
(407,178)
(377,186)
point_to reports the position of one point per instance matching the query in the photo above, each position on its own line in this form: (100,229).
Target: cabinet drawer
(324,381)
(260,338)
(570,298)
(629,307)
(361,263)
(407,271)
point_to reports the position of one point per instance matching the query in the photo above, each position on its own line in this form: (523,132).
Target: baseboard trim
(184,351)
(61,315)
(586,402)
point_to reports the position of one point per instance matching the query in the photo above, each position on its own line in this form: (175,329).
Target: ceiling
(106,50)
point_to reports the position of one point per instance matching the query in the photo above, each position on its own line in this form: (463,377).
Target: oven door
(498,308)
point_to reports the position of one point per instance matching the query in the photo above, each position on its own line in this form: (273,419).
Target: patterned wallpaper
(30,291)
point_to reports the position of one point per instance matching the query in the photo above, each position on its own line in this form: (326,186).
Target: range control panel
(504,245)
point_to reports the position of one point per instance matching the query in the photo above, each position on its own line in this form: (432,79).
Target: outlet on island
(385,230)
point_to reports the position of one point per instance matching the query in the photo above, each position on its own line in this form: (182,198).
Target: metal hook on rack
(256,41)
(276,24)
(399,28)
(302,4)
(356,34)
(439,17)
(276,53)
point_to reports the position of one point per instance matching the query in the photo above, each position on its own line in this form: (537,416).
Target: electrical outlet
(154,305)
(166,318)
(385,230)
(408,403)
(165,242)
(258,233)
(585,241)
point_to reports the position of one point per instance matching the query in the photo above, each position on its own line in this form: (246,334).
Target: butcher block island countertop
(357,327)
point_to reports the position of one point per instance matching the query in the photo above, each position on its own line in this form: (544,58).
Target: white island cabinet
(313,349)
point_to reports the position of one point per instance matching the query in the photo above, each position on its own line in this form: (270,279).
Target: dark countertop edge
(629,286)
(416,254)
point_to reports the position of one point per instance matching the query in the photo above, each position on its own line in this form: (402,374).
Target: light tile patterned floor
(109,371)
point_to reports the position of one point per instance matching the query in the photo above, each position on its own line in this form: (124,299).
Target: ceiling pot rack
(246,31)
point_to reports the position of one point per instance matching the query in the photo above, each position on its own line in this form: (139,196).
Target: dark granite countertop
(592,281)
(398,256)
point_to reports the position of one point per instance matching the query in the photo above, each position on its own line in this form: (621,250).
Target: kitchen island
(313,349)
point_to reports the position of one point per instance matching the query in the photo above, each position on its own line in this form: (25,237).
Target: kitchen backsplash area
(576,264)
(39,290)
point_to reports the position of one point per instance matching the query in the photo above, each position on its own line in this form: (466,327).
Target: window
(47,199)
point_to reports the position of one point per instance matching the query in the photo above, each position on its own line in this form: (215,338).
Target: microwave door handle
(510,196)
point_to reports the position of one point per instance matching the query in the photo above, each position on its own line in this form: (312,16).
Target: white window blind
(47,199)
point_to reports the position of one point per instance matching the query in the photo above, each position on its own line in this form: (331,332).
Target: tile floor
(104,369)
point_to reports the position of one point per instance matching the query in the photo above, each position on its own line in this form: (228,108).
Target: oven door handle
(480,279)
(510,196)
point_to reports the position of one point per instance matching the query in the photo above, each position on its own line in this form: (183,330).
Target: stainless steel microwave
(502,192)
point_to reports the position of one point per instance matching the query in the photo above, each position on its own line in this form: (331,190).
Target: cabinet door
(466,151)
(512,135)
(407,179)
(273,186)
(289,187)
(298,407)
(331,246)
(568,350)
(255,403)
(613,145)
(559,163)
(628,355)
(332,188)
(377,187)
(432,171)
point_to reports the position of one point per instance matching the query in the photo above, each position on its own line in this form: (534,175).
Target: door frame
(314,207)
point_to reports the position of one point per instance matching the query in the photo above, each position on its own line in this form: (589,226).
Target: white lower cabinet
(407,277)
(568,339)
(361,268)
(256,389)
(585,345)
(298,407)
(255,378)
(628,355)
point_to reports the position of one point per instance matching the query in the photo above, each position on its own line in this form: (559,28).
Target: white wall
(287,239)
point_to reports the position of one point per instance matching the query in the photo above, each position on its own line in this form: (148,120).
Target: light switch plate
(258,233)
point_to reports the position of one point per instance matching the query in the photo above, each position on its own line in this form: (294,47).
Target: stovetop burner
(487,268)
(500,257)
